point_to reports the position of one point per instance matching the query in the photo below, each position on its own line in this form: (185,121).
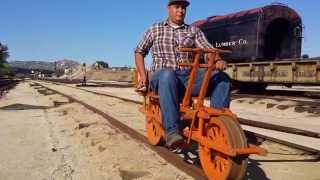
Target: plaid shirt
(164,39)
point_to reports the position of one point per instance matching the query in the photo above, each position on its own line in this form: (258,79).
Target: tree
(4,54)
(103,64)
(6,70)
(4,67)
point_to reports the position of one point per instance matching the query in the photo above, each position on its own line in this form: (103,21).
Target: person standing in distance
(167,78)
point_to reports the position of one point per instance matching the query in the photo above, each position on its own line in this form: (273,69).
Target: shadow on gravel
(27,106)
(254,171)
(23,107)
(128,175)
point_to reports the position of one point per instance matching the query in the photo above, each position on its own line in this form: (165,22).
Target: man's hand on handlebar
(142,84)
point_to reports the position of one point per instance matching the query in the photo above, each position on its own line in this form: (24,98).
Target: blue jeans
(169,84)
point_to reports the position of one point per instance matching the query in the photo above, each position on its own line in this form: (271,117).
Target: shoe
(174,140)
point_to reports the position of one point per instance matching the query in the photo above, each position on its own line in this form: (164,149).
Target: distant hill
(42,65)
(70,64)
(29,65)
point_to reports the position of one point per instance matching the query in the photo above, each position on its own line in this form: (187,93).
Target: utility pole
(84,70)
(55,68)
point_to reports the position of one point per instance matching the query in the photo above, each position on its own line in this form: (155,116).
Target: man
(168,79)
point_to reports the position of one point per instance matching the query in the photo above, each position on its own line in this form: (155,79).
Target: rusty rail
(283,95)
(6,84)
(279,128)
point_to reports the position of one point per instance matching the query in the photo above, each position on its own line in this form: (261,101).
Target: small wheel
(153,125)
(226,132)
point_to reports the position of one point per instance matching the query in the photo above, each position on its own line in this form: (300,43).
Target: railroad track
(6,84)
(300,100)
(300,104)
(251,123)
(92,83)
(192,170)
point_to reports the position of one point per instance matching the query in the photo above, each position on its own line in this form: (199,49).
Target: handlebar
(204,50)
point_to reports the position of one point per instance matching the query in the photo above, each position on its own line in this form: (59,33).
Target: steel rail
(279,128)
(7,84)
(313,102)
(286,143)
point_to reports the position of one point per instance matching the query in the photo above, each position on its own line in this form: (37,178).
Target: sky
(109,30)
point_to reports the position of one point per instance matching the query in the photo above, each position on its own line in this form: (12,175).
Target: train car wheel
(153,125)
(226,132)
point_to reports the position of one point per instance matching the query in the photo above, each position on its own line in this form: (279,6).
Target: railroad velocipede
(223,148)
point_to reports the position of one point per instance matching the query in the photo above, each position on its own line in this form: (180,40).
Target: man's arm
(140,52)
(139,60)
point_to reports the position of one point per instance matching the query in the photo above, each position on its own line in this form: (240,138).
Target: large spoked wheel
(226,132)
(153,124)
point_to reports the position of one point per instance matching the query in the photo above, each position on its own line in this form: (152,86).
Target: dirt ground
(281,163)
(40,141)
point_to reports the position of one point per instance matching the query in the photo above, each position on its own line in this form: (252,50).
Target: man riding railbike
(169,79)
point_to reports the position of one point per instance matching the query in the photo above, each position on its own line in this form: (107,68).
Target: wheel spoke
(155,130)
